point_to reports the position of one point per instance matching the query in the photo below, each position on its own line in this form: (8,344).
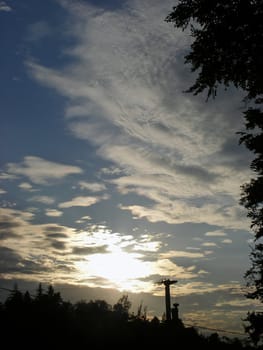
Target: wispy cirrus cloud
(181,254)
(38,30)
(175,150)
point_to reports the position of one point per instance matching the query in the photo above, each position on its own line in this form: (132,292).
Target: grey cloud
(12,262)
(89,250)
(5,7)
(9,259)
(6,234)
(8,226)
(8,222)
(58,245)
(42,199)
(231,153)
(38,30)
(55,229)
(198,172)
(57,235)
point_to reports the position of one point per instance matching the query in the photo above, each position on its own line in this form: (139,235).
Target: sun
(122,270)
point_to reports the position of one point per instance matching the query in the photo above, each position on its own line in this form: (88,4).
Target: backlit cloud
(41,171)
(171,147)
(181,254)
(138,181)
(216,233)
(25,186)
(81,201)
(53,212)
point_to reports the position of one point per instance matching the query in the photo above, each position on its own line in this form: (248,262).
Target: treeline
(45,320)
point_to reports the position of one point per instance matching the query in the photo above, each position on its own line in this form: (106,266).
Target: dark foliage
(228,42)
(227,49)
(47,321)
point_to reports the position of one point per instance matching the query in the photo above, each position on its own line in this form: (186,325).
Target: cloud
(4,7)
(89,250)
(209,244)
(83,219)
(53,212)
(178,212)
(180,254)
(42,199)
(92,186)
(38,30)
(2,191)
(12,223)
(217,233)
(81,201)
(41,171)
(227,241)
(5,176)
(124,86)
(25,186)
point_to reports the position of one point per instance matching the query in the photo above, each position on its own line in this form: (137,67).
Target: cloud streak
(41,171)
(122,99)
(81,201)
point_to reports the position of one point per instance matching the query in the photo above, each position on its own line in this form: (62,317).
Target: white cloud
(180,254)
(92,186)
(124,86)
(178,212)
(2,191)
(25,186)
(217,233)
(53,212)
(227,241)
(81,201)
(41,171)
(209,244)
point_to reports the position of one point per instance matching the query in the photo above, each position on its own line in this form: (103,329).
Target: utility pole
(167,284)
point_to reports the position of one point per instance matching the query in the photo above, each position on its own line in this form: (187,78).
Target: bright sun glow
(121,269)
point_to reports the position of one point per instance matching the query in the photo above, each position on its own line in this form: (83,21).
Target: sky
(112,177)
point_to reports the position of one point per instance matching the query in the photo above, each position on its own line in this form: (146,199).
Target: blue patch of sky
(32,115)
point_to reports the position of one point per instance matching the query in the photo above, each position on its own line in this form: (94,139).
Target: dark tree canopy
(228,43)
(227,49)
(48,322)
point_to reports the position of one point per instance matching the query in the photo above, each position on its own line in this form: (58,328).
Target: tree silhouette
(227,49)
(122,307)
